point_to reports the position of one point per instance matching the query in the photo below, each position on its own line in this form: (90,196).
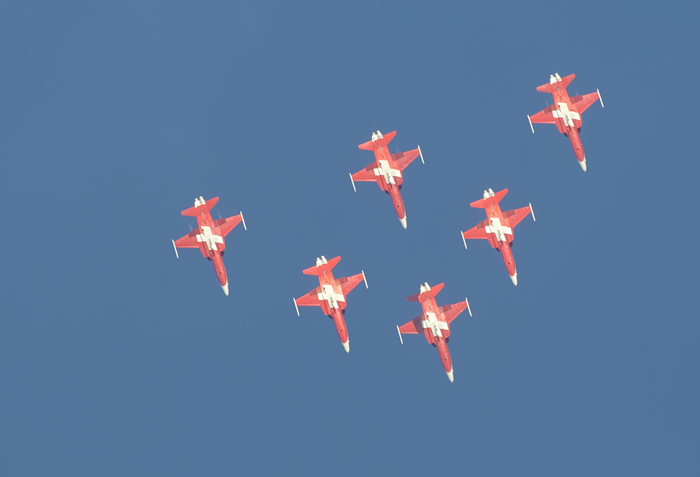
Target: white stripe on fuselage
(568,116)
(497,229)
(387,172)
(432,323)
(209,238)
(328,294)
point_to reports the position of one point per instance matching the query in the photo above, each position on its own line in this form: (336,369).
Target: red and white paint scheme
(434,322)
(208,237)
(386,170)
(330,294)
(565,112)
(498,227)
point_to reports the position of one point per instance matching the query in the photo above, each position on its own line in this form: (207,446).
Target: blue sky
(118,359)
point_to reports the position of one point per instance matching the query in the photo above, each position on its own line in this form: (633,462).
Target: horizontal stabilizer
(194,211)
(328,266)
(372,145)
(551,87)
(432,292)
(484,203)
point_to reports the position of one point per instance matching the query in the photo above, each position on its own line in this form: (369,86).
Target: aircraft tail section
(322,264)
(489,198)
(377,140)
(426,290)
(198,204)
(554,82)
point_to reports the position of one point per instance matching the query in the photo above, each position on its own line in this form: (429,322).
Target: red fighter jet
(498,227)
(386,170)
(434,322)
(330,294)
(209,235)
(565,112)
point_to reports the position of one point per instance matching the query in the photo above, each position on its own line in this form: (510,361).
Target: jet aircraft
(330,294)
(386,170)
(498,227)
(434,322)
(565,112)
(209,235)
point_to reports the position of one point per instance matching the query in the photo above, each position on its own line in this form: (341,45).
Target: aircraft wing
(348,283)
(403,159)
(366,175)
(547,117)
(450,312)
(228,224)
(413,327)
(584,101)
(479,232)
(516,216)
(189,240)
(310,299)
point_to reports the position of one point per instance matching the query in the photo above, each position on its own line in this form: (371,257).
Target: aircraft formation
(331,293)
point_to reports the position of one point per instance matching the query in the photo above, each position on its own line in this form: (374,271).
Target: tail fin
(319,264)
(374,143)
(198,204)
(489,199)
(431,292)
(563,83)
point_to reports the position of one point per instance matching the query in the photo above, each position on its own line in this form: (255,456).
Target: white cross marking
(328,294)
(209,238)
(498,229)
(568,116)
(432,323)
(387,172)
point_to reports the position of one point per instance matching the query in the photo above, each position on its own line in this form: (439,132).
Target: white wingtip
(421,155)
(243,220)
(600,98)
(404,222)
(365,279)
(225,288)
(451,375)
(532,211)
(461,234)
(353,182)
(346,345)
(295,306)
(528,120)
(175,247)
(399,330)
(469,308)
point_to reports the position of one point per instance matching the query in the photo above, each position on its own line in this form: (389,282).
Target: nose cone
(583,164)
(403,222)
(451,375)
(346,345)
(225,288)
(514,279)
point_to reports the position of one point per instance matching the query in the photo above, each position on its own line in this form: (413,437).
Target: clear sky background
(118,359)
